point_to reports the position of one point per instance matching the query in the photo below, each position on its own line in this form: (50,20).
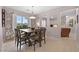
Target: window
(44,22)
(18,19)
(22,22)
(21,19)
(25,21)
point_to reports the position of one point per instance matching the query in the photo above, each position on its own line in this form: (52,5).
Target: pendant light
(32,17)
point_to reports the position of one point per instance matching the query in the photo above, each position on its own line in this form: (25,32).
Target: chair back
(17,34)
(32,28)
(37,31)
(43,31)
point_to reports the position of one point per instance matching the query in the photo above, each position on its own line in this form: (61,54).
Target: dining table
(27,30)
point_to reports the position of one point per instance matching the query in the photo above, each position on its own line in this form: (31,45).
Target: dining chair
(38,35)
(43,34)
(16,35)
(20,39)
(35,38)
(32,28)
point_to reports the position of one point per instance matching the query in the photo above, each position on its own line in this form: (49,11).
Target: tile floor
(52,45)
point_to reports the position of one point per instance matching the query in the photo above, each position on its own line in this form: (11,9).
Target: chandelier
(32,16)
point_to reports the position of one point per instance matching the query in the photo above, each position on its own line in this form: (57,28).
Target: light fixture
(32,17)
(54,25)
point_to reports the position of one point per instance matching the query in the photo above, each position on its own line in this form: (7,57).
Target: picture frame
(3,17)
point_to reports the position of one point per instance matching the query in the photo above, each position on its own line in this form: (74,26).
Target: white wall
(55,32)
(77,28)
(1,35)
(77,31)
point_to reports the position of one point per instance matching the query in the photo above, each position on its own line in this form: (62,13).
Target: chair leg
(15,41)
(40,44)
(44,40)
(30,43)
(20,45)
(25,41)
(34,46)
(17,45)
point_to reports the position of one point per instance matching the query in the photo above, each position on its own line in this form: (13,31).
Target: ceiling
(35,9)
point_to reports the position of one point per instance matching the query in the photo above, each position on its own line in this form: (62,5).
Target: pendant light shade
(32,17)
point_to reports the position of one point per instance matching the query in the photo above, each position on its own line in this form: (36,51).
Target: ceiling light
(32,17)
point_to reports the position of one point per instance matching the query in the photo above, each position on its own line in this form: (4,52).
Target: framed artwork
(71,21)
(3,17)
